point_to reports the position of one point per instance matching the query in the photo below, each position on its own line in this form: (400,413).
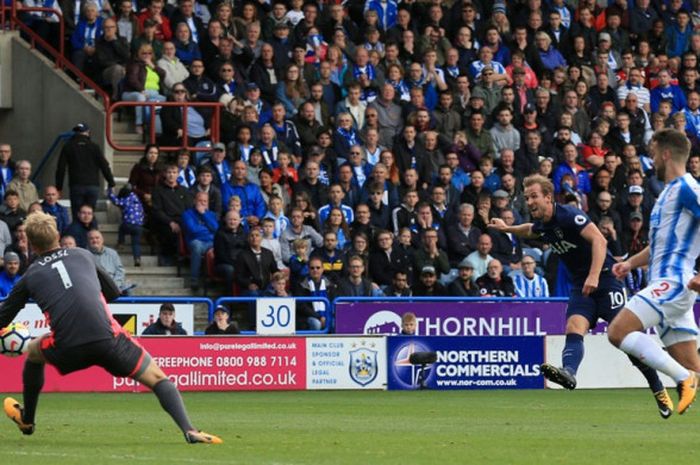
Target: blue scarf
(244,151)
(270,154)
(187,177)
(350,136)
(369,71)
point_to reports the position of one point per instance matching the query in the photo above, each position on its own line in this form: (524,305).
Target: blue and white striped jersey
(674,231)
(535,287)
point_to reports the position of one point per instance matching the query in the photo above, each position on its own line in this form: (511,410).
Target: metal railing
(60,60)
(328,311)
(151,136)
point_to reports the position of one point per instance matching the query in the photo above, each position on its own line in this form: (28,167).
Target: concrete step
(144,291)
(156,283)
(151,272)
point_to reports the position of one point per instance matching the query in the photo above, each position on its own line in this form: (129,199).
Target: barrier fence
(276,315)
(215,124)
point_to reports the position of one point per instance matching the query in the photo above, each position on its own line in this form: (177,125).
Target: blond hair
(545,184)
(42,231)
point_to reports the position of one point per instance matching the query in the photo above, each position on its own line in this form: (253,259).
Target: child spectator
(272,243)
(408,324)
(299,262)
(132,219)
(275,213)
(221,324)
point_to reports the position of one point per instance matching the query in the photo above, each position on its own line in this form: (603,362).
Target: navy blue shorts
(604,303)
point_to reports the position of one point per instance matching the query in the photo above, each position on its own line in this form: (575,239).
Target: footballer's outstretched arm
(521,230)
(14,303)
(599,249)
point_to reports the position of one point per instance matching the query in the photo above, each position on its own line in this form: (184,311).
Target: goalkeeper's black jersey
(68,287)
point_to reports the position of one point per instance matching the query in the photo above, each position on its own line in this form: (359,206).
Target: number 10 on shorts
(275,316)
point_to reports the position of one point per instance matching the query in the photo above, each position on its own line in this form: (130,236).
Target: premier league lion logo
(363,366)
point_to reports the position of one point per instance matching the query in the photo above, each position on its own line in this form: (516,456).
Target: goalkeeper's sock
(33,379)
(171,401)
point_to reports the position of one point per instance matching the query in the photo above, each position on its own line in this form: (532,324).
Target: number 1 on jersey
(63,273)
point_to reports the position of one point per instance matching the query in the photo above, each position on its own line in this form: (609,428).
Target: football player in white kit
(667,302)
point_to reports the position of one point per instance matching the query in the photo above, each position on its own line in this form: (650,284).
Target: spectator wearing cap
(9,274)
(253,98)
(428,284)
(495,282)
(528,283)
(634,204)
(165,325)
(221,325)
(220,166)
(487,88)
(84,161)
(464,285)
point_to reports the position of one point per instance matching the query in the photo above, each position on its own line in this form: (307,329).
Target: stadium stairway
(150,279)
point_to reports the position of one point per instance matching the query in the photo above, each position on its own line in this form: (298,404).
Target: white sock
(643,346)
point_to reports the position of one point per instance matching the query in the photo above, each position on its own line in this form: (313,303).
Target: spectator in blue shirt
(10,274)
(199,225)
(51,206)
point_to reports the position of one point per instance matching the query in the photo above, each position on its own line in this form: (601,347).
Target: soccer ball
(14,340)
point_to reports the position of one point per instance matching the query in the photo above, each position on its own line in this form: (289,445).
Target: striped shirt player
(674,233)
(530,287)
(667,302)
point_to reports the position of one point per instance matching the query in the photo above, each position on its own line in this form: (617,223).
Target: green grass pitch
(377,428)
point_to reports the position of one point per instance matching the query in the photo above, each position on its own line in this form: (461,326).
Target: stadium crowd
(365,145)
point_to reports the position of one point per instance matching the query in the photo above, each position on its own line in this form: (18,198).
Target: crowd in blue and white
(371,142)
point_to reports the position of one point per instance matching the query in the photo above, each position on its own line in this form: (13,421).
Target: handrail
(329,311)
(60,60)
(62,25)
(214,125)
(47,155)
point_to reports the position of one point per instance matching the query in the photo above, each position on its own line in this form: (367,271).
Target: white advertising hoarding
(346,363)
(134,317)
(603,366)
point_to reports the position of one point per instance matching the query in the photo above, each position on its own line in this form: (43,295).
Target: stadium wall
(44,104)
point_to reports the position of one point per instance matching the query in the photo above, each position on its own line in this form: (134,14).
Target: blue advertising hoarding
(467,362)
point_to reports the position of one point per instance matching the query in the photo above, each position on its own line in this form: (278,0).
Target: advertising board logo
(405,372)
(363,366)
(383,322)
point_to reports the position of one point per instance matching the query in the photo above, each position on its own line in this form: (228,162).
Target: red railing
(58,55)
(214,126)
(8,16)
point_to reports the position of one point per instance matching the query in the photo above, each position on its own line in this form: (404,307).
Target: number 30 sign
(275,316)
